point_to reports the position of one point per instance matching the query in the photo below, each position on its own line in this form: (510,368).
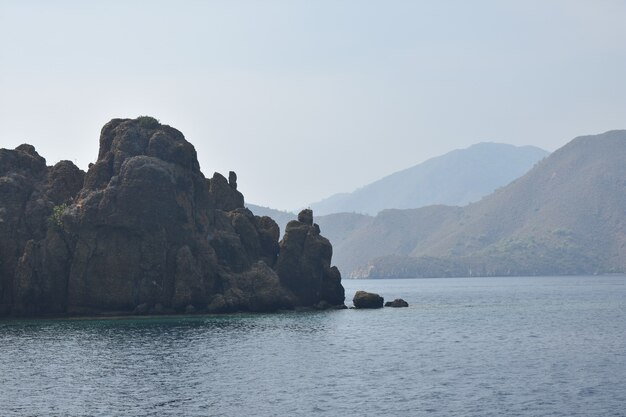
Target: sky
(304,99)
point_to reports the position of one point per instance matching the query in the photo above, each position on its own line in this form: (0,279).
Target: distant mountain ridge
(281,217)
(565,216)
(457,178)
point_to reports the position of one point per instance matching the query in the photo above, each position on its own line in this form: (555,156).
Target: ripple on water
(464,347)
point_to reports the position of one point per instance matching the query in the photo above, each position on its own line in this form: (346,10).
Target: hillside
(565,216)
(456,178)
(279,216)
(336,227)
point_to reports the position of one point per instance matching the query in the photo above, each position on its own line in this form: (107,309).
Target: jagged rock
(40,284)
(64,182)
(268,232)
(363,299)
(33,273)
(143,223)
(398,302)
(232,179)
(225,197)
(144,232)
(256,289)
(304,264)
(189,285)
(306,217)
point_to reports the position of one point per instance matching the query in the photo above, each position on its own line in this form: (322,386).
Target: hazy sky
(304,99)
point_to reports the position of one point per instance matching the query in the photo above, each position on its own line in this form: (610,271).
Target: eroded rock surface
(32,197)
(304,263)
(364,299)
(144,231)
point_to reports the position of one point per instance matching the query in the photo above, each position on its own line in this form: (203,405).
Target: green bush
(148,122)
(55,220)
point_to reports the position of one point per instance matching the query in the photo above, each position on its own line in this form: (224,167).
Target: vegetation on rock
(144,231)
(54,220)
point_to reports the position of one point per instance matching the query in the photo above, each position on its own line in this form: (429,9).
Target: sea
(525,346)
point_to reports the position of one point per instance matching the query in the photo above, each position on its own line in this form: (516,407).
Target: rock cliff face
(144,231)
(305,253)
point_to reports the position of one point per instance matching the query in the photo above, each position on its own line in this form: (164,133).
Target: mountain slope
(565,216)
(280,217)
(456,178)
(390,232)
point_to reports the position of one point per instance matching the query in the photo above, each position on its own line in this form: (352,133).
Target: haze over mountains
(457,178)
(565,216)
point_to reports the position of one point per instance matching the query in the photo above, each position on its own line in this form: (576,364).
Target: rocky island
(143,231)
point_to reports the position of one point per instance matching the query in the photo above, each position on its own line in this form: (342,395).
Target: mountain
(565,216)
(456,178)
(143,231)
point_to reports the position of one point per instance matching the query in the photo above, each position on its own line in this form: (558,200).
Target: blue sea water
(540,346)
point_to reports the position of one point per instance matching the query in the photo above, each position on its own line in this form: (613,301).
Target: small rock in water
(364,299)
(398,302)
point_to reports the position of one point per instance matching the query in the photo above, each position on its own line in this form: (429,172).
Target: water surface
(540,346)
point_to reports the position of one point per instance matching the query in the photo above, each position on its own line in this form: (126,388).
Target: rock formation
(144,231)
(304,263)
(398,302)
(364,299)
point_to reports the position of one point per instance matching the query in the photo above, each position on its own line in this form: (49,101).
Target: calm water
(465,347)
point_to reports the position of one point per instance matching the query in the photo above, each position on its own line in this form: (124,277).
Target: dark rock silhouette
(398,302)
(363,299)
(304,263)
(224,195)
(306,217)
(144,231)
(29,193)
(232,179)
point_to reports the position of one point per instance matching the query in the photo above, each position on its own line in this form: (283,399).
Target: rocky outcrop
(232,179)
(306,217)
(32,197)
(398,302)
(304,265)
(224,194)
(363,299)
(144,231)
